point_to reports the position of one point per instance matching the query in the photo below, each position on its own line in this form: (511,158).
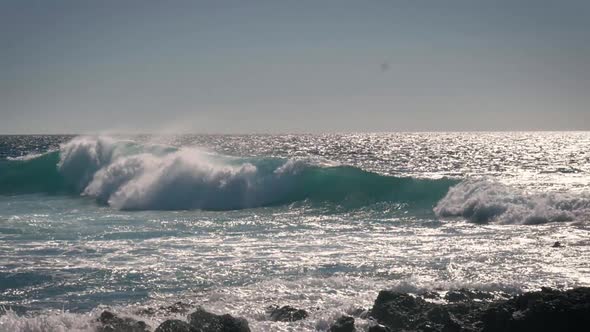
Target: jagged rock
(175,325)
(343,324)
(398,310)
(112,323)
(547,310)
(288,314)
(203,321)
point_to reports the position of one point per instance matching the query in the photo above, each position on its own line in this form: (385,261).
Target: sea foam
(488,201)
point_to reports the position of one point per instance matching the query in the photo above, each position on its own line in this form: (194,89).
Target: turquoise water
(239,223)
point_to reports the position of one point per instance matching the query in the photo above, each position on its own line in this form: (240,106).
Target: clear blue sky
(293,66)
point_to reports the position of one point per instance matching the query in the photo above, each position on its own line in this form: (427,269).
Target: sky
(77,66)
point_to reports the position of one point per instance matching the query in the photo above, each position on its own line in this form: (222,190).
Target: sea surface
(240,223)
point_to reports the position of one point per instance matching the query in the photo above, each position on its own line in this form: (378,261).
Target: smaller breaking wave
(487,201)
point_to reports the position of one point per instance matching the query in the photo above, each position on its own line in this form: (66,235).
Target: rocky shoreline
(458,311)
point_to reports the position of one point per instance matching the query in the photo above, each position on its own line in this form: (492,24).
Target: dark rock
(112,323)
(203,321)
(379,328)
(557,244)
(430,295)
(288,314)
(175,308)
(475,311)
(343,324)
(398,310)
(175,325)
(467,295)
(547,310)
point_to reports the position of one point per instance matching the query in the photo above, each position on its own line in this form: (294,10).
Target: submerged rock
(343,324)
(175,325)
(288,314)
(203,321)
(113,323)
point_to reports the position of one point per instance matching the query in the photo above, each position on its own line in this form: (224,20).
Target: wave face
(131,176)
(486,201)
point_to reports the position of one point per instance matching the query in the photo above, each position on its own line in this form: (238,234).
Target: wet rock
(343,324)
(113,323)
(467,295)
(288,314)
(398,310)
(430,295)
(547,310)
(175,325)
(203,321)
(557,244)
(379,328)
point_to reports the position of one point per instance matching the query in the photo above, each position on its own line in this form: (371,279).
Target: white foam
(127,175)
(485,201)
(52,321)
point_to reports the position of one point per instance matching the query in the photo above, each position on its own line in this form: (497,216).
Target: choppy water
(321,222)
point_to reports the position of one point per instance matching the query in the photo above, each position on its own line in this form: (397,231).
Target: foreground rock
(110,322)
(343,324)
(175,325)
(204,321)
(288,314)
(547,310)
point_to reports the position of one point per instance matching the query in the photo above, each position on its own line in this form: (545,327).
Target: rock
(459,295)
(343,324)
(175,325)
(112,323)
(288,314)
(547,310)
(398,310)
(203,321)
(379,328)
(557,244)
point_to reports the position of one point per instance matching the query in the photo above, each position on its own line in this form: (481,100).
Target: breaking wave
(133,176)
(487,201)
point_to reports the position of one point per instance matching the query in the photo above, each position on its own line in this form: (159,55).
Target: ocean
(241,223)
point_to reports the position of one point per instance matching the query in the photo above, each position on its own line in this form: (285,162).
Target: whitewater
(240,223)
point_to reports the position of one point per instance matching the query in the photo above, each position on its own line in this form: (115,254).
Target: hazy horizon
(306,67)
